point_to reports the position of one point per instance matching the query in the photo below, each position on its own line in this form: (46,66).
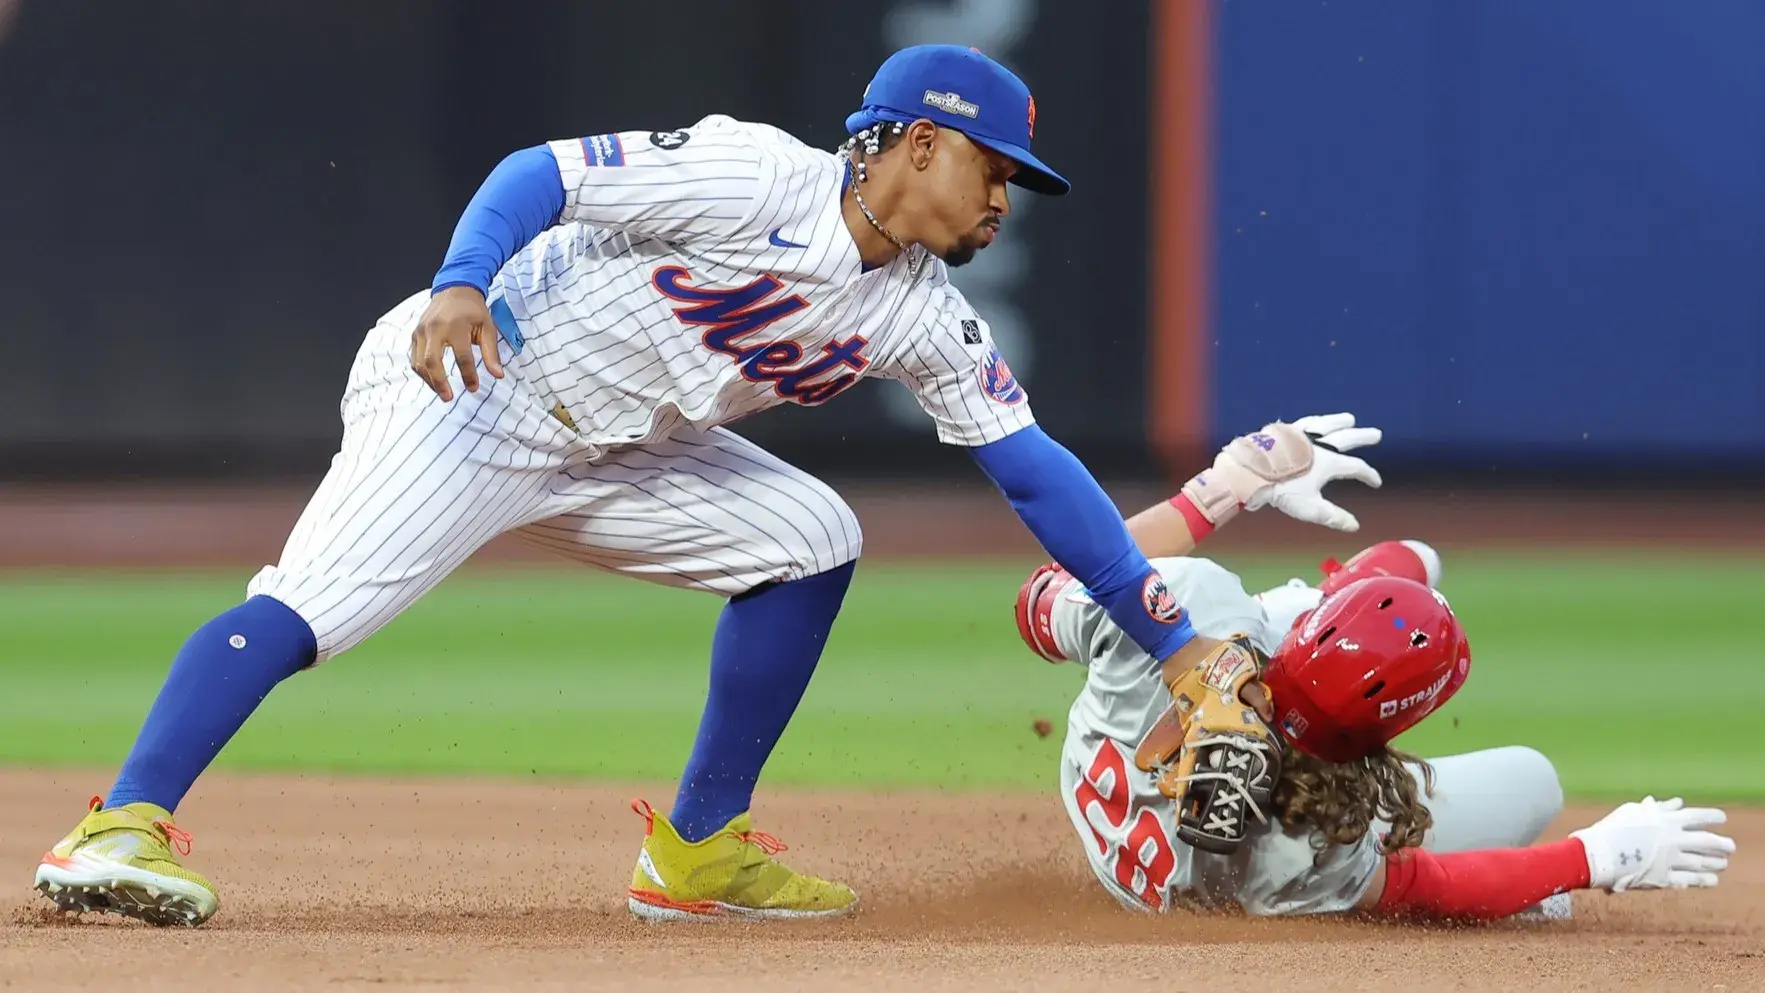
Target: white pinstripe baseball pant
(419,485)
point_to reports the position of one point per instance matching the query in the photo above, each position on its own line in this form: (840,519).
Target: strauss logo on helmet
(1391,708)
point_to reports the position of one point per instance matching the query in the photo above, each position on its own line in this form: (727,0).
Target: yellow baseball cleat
(120,861)
(731,874)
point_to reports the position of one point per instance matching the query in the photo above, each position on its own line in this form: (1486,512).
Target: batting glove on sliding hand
(1286,466)
(1652,845)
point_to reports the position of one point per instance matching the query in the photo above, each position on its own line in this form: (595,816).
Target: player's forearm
(1165,529)
(1480,885)
(520,198)
(1081,529)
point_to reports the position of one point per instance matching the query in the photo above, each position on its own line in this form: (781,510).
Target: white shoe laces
(1235,759)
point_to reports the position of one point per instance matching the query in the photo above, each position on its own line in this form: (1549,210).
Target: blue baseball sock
(765,649)
(219,677)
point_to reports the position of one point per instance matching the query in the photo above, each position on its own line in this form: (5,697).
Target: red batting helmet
(1368,663)
(1407,558)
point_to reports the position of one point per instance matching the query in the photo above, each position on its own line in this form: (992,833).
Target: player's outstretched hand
(1655,844)
(457,319)
(1302,498)
(1286,466)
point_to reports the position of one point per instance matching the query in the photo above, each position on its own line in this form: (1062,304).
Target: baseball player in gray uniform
(1345,821)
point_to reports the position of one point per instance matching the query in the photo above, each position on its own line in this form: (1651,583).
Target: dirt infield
(162,526)
(357,884)
(360,884)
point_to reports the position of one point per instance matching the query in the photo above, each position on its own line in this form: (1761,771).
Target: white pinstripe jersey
(700,276)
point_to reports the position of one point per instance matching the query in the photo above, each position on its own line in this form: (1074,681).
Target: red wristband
(1481,885)
(1199,527)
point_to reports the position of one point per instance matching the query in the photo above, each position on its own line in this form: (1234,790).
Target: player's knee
(852,535)
(1535,779)
(835,540)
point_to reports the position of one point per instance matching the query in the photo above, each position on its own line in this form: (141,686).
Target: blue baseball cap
(961,89)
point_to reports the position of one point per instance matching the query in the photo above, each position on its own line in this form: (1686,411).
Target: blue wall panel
(1535,229)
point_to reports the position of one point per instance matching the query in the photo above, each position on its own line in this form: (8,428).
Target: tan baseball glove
(1210,750)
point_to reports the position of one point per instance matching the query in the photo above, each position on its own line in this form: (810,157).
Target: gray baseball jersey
(1128,827)
(1495,798)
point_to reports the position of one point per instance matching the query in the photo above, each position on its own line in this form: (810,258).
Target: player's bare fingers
(462,348)
(419,356)
(488,343)
(434,366)
(1258,698)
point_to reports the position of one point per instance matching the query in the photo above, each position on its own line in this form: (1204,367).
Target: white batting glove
(1286,466)
(1652,845)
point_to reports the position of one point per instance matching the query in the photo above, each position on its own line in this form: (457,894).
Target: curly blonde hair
(1340,801)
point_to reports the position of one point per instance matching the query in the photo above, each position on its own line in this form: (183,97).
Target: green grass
(1635,674)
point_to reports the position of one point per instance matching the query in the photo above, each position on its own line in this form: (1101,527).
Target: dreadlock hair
(873,140)
(1340,801)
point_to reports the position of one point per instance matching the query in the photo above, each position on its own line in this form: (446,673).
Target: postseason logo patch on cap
(950,103)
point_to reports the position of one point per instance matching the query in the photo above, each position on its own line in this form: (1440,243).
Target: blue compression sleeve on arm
(520,198)
(1080,528)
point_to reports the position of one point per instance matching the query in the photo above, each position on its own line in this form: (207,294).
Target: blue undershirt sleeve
(1080,528)
(520,198)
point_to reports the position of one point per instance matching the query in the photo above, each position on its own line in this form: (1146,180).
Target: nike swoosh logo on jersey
(779,241)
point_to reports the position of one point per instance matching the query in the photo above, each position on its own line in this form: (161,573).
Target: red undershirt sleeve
(1480,885)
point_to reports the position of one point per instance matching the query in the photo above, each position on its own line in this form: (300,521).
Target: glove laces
(1234,780)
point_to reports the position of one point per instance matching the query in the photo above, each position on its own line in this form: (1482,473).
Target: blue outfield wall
(1524,231)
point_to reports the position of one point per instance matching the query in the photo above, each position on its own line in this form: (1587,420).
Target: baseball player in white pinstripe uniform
(607,306)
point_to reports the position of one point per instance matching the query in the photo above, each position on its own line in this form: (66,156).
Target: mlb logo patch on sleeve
(603,150)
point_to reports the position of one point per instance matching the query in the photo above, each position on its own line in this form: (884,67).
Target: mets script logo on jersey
(735,319)
(997,381)
(1159,600)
